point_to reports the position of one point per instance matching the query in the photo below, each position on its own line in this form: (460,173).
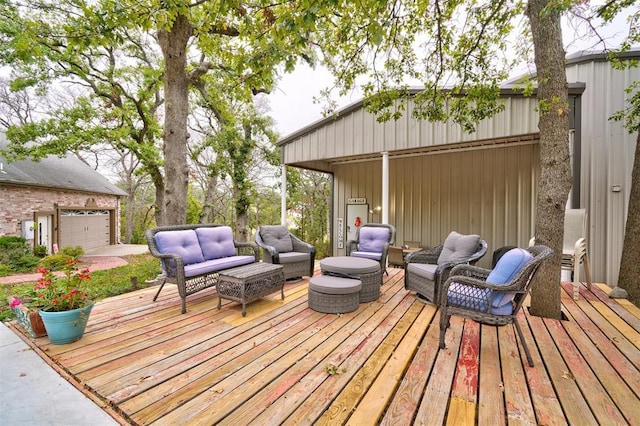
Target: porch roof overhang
(354,135)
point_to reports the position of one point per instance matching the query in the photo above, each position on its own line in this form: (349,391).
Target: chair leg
(164,281)
(444,324)
(576,277)
(524,343)
(587,272)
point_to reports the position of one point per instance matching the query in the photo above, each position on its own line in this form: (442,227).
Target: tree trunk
(629,277)
(158,184)
(208,211)
(129,209)
(555,170)
(176,88)
(241,158)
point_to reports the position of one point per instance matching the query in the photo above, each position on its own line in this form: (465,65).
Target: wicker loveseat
(193,255)
(426,270)
(279,246)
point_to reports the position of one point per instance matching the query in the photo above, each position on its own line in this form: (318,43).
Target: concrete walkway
(31,391)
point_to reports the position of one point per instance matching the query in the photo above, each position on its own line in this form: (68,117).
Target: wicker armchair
(492,297)
(425,270)
(372,242)
(279,246)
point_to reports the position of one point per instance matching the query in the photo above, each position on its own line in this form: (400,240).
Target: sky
(292,105)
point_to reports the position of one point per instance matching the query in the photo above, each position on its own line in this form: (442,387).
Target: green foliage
(103,284)
(454,45)
(40,251)
(74,252)
(194,208)
(310,200)
(56,262)
(16,256)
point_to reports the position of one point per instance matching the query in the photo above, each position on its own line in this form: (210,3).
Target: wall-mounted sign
(356,201)
(340,226)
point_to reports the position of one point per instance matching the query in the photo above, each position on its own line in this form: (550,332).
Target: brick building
(58,202)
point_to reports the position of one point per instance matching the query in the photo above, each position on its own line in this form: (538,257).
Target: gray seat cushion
(277,237)
(294,257)
(424,270)
(458,247)
(334,285)
(349,265)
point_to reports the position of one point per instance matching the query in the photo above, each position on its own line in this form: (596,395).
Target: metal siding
(359,133)
(488,191)
(607,159)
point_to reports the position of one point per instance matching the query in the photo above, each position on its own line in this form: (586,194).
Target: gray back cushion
(277,236)
(458,247)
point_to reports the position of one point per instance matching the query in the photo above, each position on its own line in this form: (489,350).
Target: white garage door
(85,228)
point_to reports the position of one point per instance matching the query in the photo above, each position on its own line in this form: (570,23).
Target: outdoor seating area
(284,363)
(192,256)
(426,270)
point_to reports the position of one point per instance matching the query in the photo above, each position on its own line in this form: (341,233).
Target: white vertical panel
(607,159)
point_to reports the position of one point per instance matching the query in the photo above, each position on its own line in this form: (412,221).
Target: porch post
(385,187)
(283,196)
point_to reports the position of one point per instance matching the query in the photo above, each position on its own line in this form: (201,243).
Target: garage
(85,228)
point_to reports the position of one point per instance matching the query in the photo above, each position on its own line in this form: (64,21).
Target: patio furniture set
(195,257)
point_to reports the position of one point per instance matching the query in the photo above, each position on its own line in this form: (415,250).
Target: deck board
(286,364)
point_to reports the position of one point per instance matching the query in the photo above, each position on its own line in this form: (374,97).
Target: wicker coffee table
(366,270)
(245,284)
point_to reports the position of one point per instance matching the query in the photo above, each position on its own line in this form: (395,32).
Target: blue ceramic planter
(66,326)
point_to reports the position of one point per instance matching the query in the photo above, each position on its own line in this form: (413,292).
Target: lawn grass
(106,283)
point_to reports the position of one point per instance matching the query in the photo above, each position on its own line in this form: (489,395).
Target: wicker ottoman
(334,295)
(366,270)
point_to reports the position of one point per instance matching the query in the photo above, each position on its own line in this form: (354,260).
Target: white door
(357,215)
(43,235)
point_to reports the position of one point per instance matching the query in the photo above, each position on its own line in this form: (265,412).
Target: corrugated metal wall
(358,133)
(489,191)
(607,160)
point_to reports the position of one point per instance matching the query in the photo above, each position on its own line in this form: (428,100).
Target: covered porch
(283,363)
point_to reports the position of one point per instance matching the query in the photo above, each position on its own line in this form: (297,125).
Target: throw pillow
(458,248)
(506,269)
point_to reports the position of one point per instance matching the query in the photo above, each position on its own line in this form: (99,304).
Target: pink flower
(15,302)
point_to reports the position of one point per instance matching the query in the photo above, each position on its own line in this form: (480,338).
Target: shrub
(56,262)
(74,252)
(40,251)
(16,255)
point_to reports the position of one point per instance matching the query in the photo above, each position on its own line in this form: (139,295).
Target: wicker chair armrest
(429,256)
(247,247)
(479,283)
(470,271)
(173,264)
(352,245)
(267,250)
(301,246)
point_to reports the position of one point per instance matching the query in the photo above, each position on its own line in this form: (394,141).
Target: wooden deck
(145,363)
